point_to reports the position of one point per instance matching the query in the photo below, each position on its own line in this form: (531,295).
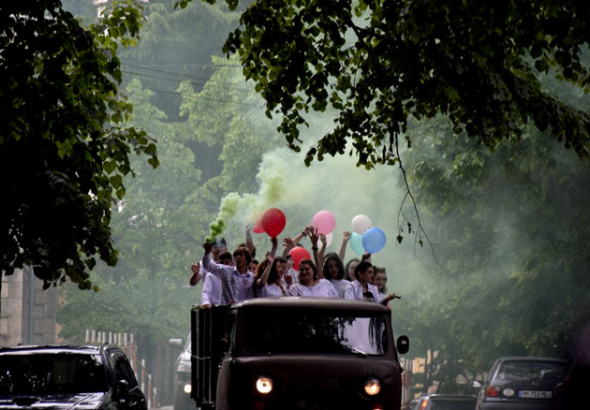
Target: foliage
(154,228)
(63,151)
(226,114)
(379,63)
(511,229)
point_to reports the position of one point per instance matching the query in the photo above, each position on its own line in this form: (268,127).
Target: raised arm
(249,241)
(305,232)
(210,266)
(288,244)
(260,282)
(196,276)
(316,255)
(345,238)
(275,243)
(324,243)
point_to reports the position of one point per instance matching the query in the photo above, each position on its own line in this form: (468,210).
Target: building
(28,313)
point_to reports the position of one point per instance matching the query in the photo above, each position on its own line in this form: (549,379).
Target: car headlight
(264,385)
(372,386)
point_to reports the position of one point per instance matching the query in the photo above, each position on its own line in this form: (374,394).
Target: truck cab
(297,353)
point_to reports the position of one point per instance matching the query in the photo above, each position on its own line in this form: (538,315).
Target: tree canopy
(379,63)
(63,154)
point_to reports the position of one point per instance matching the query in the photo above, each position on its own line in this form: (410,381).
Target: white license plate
(535,394)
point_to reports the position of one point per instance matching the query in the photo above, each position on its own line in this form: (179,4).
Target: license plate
(535,394)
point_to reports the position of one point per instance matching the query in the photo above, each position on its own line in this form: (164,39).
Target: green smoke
(227,209)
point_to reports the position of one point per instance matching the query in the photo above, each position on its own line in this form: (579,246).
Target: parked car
(446,402)
(182,375)
(67,377)
(522,383)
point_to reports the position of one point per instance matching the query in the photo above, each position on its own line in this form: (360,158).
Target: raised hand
(346,236)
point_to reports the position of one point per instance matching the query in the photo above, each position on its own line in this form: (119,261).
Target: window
(53,373)
(296,331)
(123,371)
(529,370)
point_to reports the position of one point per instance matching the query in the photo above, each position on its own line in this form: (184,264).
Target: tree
(155,227)
(511,232)
(63,152)
(379,63)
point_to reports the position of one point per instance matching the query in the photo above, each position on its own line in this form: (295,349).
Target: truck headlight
(188,388)
(264,385)
(372,386)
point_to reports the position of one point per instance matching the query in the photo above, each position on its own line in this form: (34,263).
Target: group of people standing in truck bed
(230,278)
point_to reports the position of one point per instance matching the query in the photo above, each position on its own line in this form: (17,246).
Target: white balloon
(329,239)
(360,224)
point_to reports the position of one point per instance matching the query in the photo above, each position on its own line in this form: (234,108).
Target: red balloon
(298,253)
(258,228)
(273,222)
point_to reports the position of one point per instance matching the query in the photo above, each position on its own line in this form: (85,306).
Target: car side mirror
(175,344)
(403,344)
(122,388)
(476,384)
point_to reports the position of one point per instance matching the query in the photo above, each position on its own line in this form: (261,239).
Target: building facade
(28,313)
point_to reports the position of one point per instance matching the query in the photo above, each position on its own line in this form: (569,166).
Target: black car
(522,383)
(447,402)
(182,375)
(68,377)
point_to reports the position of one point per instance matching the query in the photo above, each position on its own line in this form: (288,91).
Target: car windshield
(295,331)
(55,373)
(516,371)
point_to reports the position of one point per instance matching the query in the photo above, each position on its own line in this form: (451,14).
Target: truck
(295,353)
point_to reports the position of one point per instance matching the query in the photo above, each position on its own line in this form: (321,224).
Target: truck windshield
(284,331)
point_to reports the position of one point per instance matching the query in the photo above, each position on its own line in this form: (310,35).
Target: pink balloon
(273,222)
(298,253)
(324,221)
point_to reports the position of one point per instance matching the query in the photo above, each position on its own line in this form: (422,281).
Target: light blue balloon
(373,240)
(356,243)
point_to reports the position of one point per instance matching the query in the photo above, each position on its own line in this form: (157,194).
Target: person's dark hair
(255,261)
(381,270)
(362,267)
(257,274)
(224,255)
(333,256)
(312,265)
(245,252)
(273,276)
(348,266)
(220,243)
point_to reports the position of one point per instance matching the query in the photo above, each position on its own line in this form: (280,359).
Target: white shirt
(211,293)
(340,286)
(322,289)
(354,290)
(235,287)
(271,290)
